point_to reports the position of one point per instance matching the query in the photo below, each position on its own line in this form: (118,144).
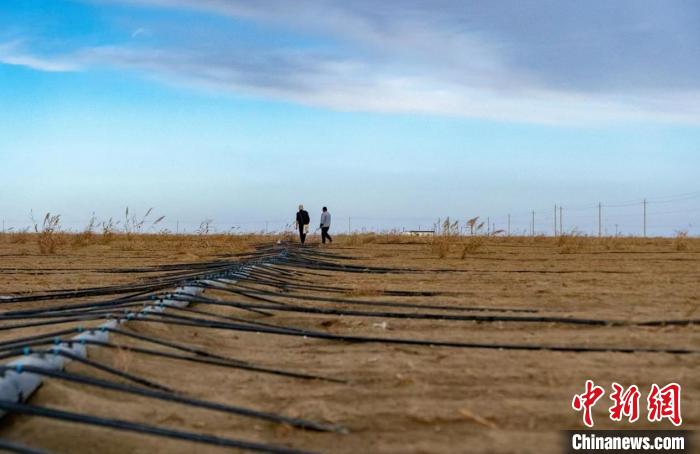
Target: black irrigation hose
(55,336)
(180,399)
(429,343)
(228,363)
(262,273)
(345,290)
(66,307)
(218,362)
(150,286)
(682,322)
(297,271)
(201,356)
(87,362)
(66,313)
(204,300)
(49,322)
(9,446)
(451,317)
(173,345)
(247,293)
(326,266)
(224,317)
(129,426)
(212,358)
(253,293)
(446,317)
(85,293)
(217,359)
(22,340)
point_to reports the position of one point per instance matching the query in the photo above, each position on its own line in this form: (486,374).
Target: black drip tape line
(67,313)
(416,342)
(190,321)
(94,364)
(249,293)
(151,286)
(343,290)
(227,363)
(56,336)
(233,364)
(69,307)
(228,317)
(173,345)
(20,341)
(17,348)
(177,398)
(129,426)
(451,317)
(60,321)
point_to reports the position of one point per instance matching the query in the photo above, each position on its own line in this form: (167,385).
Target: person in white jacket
(325,225)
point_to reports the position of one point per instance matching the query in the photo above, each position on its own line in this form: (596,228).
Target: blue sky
(393,115)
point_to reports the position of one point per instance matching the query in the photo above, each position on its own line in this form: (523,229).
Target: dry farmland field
(384,343)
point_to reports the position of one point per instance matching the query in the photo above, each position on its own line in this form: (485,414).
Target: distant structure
(419,232)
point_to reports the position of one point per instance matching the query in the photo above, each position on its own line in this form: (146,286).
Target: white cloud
(37,63)
(443,57)
(12,54)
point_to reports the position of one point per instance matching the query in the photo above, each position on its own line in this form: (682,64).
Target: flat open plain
(398,398)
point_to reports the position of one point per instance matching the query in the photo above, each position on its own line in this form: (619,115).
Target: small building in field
(419,232)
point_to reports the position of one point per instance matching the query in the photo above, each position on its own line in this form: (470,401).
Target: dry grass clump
(87,236)
(449,234)
(440,246)
(356,239)
(48,237)
(612,243)
(680,242)
(392,237)
(109,230)
(132,236)
(472,245)
(570,243)
(133,225)
(203,232)
(19,236)
(446,234)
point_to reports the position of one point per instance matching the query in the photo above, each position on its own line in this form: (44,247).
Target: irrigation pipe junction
(272,277)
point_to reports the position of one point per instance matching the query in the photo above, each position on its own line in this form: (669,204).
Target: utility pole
(561,223)
(177,227)
(555,219)
(508,224)
(532,226)
(600,224)
(645,217)
(488,226)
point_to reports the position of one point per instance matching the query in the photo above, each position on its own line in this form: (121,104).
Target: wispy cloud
(549,62)
(11,53)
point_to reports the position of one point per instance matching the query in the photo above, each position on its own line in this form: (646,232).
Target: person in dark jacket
(302,222)
(325,226)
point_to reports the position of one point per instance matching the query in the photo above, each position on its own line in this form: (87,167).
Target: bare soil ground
(398,398)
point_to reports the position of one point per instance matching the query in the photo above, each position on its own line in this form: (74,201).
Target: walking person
(302,223)
(325,225)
